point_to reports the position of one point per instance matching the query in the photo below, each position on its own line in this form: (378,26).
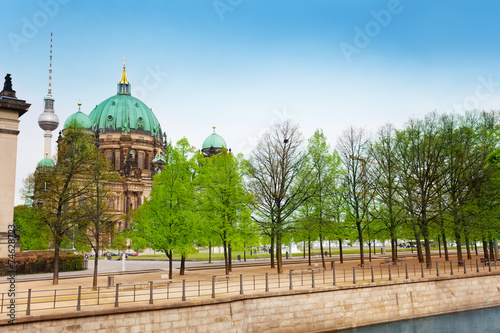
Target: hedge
(42,262)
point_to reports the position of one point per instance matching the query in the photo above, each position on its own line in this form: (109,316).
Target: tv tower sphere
(48,120)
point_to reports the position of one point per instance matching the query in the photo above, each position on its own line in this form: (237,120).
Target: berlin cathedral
(131,139)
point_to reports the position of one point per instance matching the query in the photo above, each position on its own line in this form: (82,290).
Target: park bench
(484,261)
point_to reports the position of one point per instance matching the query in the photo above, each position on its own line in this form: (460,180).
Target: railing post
(1,309)
(422,268)
(213,286)
(406,270)
(79,304)
(451,267)
(55,293)
(116,295)
(437,268)
(489,265)
(291,283)
(312,278)
(267,283)
(183,290)
(241,284)
(373,277)
(334,278)
(28,310)
(477,266)
(390,274)
(150,292)
(354,275)
(465,267)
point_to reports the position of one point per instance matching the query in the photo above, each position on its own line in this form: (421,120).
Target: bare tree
(274,167)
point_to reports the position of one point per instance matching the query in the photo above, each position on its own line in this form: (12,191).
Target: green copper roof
(214,140)
(126,114)
(46,163)
(79,118)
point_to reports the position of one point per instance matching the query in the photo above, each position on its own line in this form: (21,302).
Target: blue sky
(242,64)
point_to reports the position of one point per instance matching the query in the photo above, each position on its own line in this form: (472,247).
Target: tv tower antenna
(48,120)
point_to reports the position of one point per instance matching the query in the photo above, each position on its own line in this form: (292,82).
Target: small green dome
(124,114)
(46,163)
(79,118)
(215,141)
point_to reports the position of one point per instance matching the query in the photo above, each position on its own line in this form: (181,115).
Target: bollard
(477,265)
(312,277)
(489,265)
(465,267)
(78,303)
(334,280)
(354,275)
(437,268)
(183,290)
(116,295)
(241,284)
(267,282)
(150,292)
(422,268)
(373,277)
(28,310)
(55,292)
(451,267)
(213,286)
(406,270)
(291,284)
(390,275)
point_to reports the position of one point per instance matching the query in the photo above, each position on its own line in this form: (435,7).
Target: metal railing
(44,301)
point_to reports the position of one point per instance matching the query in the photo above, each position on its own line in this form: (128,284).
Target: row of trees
(431,180)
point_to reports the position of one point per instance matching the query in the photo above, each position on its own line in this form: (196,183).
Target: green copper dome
(126,114)
(215,141)
(46,163)
(79,118)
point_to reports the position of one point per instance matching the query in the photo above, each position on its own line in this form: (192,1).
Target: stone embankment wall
(325,309)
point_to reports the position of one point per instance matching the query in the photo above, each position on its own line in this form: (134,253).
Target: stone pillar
(11,109)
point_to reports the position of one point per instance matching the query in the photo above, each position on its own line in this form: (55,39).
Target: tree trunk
(96,263)
(467,245)
(209,252)
(229,257)
(271,251)
(170,263)
(360,239)
(183,265)
(492,250)
(279,256)
(445,245)
(304,250)
(55,279)
(321,249)
(340,250)
(459,245)
(309,249)
(475,247)
(226,266)
(370,251)
(439,246)
(485,249)
(394,247)
(330,248)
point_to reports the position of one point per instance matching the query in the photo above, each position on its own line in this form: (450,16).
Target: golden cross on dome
(124,61)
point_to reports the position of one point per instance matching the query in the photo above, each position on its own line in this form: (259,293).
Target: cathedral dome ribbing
(124,113)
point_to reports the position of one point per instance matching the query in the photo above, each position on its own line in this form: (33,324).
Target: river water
(484,320)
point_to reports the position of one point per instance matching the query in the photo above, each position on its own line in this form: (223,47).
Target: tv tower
(48,120)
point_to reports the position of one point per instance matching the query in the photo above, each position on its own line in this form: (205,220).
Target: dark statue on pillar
(7,87)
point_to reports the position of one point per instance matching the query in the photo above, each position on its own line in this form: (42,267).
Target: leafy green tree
(167,218)
(57,191)
(35,234)
(325,170)
(224,201)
